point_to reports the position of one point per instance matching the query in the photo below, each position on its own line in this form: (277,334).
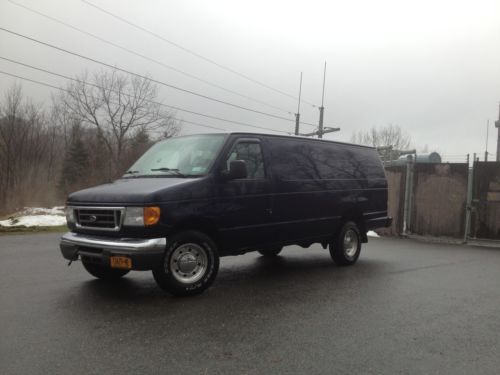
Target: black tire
(341,253)
(184,250)
(271,251)
(104,272)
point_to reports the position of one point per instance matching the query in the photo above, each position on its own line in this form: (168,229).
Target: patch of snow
(34,221)
(58,210)
(371,233)
(36,217)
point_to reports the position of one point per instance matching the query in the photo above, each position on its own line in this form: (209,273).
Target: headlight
(134,217)
(70,214)
(141,216)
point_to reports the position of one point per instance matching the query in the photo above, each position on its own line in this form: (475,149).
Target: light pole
(497,125)
(322,108)
(297,115)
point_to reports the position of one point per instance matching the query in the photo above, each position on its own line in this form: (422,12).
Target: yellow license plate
(120,262)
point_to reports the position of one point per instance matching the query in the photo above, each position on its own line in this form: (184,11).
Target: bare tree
(91,134)
(390,135)
(28,152)
(119,107)
(10,108)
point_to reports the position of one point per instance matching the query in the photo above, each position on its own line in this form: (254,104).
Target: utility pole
(487,132)
(297,115)
(321,129)
(497,125)
(322,108)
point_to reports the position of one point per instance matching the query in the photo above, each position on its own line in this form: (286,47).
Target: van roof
(288,136)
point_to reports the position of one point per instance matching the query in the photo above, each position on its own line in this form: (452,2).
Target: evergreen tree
(75,167)
(139,143)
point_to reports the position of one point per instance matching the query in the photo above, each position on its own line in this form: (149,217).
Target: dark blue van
(190,200)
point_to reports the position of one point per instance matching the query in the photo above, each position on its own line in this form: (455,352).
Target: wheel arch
(203,225)
(356,216)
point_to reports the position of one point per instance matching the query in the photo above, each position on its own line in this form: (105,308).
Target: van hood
(136,191)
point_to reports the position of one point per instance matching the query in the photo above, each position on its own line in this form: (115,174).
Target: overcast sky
(429,66)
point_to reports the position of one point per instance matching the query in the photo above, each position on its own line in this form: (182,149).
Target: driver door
(245,204)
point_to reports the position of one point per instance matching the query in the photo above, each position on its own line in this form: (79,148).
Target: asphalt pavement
(406,307)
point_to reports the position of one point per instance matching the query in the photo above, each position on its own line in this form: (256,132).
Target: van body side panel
(317,184)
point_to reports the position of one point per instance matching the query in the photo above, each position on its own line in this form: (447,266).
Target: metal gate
(485,205)
(438,199)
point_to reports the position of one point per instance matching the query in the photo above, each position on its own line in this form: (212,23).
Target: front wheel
(190,264)
(346,246)
(104,272)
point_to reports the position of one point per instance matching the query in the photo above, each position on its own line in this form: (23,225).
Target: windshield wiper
(131,172)
(165,169)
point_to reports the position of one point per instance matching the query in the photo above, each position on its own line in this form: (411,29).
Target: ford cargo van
(190,200)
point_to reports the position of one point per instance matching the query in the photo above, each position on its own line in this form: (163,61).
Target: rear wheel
(104,272)
(190,264)
(346,246)
(271,251)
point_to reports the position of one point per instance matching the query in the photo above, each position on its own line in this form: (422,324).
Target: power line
(150,101)
(147,78)
(191,52)
(202,125)
(147,58)
(61,89)
(122,93)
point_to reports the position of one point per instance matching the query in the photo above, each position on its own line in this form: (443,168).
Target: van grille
(104,218)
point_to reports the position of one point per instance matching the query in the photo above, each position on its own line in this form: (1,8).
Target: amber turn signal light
(151,215)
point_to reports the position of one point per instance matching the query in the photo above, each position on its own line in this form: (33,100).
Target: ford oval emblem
(92,218)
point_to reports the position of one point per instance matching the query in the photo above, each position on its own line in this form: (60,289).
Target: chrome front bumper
(146,253)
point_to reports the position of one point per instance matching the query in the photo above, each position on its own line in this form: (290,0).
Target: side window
(251,153)
(294,159)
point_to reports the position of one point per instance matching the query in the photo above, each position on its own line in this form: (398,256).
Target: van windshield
(188,156)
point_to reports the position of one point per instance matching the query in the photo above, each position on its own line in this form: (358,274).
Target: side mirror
(237,169)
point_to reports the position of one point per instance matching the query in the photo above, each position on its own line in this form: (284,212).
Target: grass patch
(28,230)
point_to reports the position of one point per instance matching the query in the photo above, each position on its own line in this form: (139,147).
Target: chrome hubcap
(188,263)
(350,243)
